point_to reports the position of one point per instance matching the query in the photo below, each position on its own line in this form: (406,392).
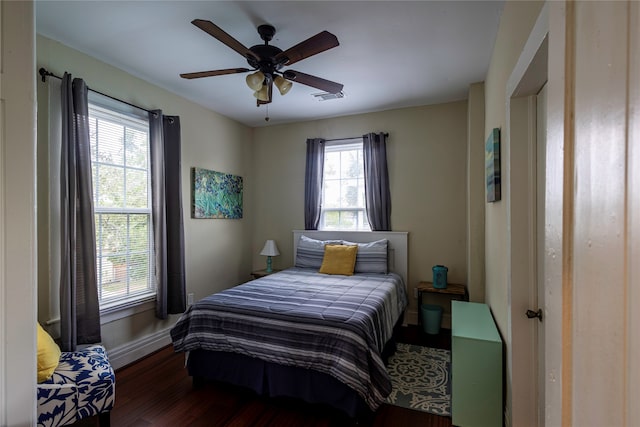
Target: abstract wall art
(215,194)
(492,166)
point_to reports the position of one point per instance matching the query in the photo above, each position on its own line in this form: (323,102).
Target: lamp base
(269,269)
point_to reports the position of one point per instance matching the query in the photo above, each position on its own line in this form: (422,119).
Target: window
(122,204)
(343,202)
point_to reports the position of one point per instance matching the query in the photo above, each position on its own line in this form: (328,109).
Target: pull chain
(266,119)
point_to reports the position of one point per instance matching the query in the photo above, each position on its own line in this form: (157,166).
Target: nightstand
(261,273)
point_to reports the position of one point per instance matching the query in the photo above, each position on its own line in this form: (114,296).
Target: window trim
(133,306)
(335,146)
(144,300)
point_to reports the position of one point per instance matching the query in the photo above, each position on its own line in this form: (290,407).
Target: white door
(527,190)
(525,318)
(541,146)
(524,149)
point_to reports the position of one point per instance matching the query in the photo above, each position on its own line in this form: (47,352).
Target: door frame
(525,358)
(594,55)
(18,260)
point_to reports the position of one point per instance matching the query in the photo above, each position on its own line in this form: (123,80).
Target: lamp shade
(282,84)
(270,248)
(255,80)
(262,94)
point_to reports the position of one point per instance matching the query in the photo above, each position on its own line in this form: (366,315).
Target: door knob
(533,314)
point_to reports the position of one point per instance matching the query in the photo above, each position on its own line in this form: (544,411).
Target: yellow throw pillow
(339,259)
(48,355)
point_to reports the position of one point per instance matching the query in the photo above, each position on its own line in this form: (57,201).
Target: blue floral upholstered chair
(83,385)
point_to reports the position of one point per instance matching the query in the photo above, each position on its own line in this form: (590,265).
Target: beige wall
(217,251)
(476,199)
(427,168)
(515,25)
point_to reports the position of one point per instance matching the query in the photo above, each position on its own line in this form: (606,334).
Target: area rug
(421,379)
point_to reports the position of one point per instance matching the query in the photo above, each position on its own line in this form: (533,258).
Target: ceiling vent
(325,96)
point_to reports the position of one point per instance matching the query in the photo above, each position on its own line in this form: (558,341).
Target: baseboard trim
(412,317)
(137,349)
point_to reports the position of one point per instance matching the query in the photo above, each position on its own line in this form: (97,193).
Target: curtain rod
(386,134)
(44,73)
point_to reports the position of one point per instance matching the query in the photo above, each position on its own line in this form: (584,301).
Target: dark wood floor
(156,391)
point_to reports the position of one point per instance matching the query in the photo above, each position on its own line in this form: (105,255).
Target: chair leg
(104,419)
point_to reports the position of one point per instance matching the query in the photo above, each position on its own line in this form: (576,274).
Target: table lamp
(270,249)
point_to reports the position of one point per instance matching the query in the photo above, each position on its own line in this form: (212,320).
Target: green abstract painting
(215,194)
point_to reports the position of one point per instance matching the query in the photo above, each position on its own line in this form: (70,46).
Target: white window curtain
(54,147)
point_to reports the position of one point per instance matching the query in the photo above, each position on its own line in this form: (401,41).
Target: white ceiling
(392,54)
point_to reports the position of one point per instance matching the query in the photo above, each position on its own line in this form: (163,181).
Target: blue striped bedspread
(334,324)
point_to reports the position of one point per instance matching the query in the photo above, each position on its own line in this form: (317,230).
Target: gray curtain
(313,183)
(79,307)
(376,181)
(168,229)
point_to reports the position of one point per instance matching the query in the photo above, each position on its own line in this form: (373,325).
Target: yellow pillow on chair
(339,259)
(48,355)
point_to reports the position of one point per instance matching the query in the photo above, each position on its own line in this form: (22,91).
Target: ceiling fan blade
(313,81)
(312,46)
(217,32)
(213,73)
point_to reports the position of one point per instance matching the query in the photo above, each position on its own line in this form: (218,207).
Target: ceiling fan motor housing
(266,53)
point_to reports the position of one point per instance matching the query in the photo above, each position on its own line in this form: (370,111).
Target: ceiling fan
(267,61)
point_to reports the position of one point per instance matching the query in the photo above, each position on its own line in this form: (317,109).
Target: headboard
(398,245)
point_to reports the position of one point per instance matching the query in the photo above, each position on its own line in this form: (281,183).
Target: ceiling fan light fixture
(266,60)
(262,94)
(255,80)
(283,85)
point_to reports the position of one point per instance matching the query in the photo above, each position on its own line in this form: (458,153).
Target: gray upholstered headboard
(398,244)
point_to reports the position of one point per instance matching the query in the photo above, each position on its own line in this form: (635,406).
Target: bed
(300,333)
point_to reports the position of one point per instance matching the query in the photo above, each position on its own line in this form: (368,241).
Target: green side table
(476,366)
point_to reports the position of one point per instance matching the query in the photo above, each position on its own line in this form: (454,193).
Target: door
(541,146)
(525,302)
(525,134)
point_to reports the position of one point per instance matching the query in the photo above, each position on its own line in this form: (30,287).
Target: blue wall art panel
(492,165)
(215,194)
